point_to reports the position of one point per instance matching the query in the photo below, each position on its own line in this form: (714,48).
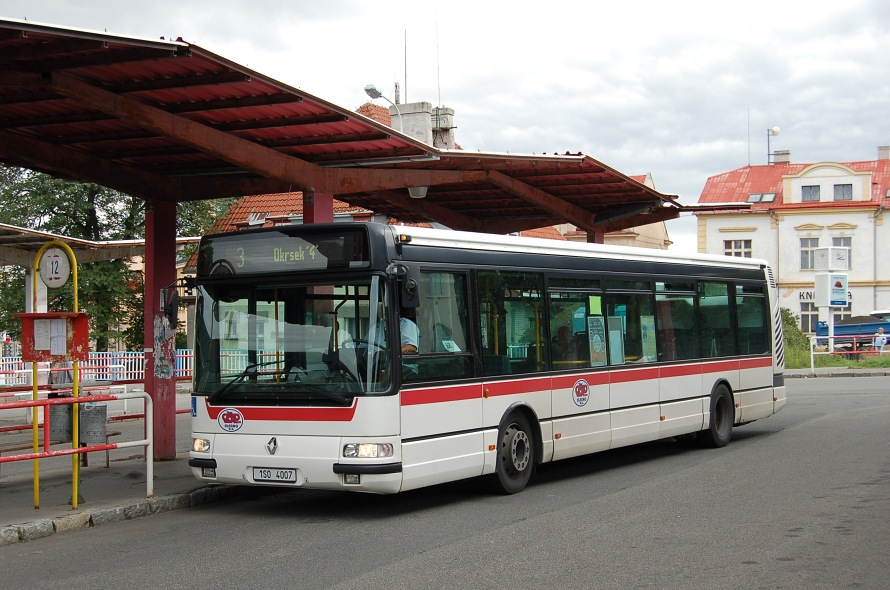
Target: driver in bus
(410,336)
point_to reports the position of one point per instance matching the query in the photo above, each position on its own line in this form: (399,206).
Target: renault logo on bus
(581,392)
(230,420)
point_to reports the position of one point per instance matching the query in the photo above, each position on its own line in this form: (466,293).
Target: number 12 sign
(55,268)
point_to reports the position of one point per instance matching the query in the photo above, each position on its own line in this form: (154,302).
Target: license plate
(275,474)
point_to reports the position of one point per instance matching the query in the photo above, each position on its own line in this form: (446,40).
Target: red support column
(318,207)
(160,337)
(596,238)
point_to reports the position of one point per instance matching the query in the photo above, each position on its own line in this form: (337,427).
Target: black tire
(516,455)
(719,431)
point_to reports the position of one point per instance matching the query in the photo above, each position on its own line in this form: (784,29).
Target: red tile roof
(277,207)
(549,232)
(376,112)
(735,186)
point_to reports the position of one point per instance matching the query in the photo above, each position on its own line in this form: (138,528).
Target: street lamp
(771,132)
(372,91)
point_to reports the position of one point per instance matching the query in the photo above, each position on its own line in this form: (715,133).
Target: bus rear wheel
(719,430)
(516,456)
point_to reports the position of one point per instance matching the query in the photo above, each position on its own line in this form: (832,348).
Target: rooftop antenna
(771,132)
(438,82)
(406,66)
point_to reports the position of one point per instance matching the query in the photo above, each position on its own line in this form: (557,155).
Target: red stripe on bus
(290,414)
(720,367)
(641,374)
(434,395)
(566,381)
(757,363)
(680,370)
(518,387)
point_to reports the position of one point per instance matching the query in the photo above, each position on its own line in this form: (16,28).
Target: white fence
(101,366)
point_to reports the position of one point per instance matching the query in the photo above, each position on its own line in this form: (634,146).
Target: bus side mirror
(170,304)
(408,277)
(410,296)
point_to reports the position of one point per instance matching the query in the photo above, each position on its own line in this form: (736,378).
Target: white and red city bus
(529,351)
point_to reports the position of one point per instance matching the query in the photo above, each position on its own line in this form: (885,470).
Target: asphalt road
(797,500)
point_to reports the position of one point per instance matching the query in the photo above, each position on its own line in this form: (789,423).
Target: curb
(44,527)
(838,373)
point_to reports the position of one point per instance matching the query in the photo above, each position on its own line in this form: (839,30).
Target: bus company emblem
(581,392)
(230,420)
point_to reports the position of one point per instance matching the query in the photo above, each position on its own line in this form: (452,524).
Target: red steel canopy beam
(247,154)
(583,218)
(431,210)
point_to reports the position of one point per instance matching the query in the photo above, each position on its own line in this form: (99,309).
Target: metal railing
(116,367)
(852,347)
(47,452)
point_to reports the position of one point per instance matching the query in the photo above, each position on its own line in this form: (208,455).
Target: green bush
(797,350)
(797,344)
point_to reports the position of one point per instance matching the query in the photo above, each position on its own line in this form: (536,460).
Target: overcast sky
(683,90)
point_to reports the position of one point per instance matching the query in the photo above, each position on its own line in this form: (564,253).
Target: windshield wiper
(345,400)
(249,371)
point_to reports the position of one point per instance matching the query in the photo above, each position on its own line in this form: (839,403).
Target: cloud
(683,90)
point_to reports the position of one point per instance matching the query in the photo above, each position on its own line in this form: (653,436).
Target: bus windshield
(306,342)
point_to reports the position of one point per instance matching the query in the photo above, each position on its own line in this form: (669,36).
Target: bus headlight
(367,450)
(201,445)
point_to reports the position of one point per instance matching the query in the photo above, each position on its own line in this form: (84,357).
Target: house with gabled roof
(653,235)
(796,208)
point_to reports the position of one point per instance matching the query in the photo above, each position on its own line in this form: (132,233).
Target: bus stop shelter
(168,121)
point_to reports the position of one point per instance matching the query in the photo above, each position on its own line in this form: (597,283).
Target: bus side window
(569,312)
(753,320)
(718,336)
(677,340)
(441,320)
(631,326)
(511,322)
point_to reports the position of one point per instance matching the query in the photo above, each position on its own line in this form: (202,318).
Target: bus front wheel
(719,430)
(516,455)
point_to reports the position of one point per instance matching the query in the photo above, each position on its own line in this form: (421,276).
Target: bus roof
(482,241)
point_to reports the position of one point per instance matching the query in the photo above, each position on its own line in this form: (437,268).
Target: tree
(110,292)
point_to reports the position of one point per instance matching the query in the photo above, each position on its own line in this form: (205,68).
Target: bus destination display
(282,251)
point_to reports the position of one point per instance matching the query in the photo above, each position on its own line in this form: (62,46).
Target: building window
(807,248)
(809,193)
(737,248)
(846,242)
(809,316)
(843,192)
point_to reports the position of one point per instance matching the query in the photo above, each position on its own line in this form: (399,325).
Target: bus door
(634,384)
(441,401)
(579,360)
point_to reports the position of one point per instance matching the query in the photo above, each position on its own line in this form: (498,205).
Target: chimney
(415,120)
(884,152)
(420,120)
(782,157)
(443,128)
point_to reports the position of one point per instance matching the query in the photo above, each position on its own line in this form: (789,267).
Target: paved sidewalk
(106,495)
(835,372)
(119,492)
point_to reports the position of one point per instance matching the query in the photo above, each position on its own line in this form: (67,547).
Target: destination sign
(282,250)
